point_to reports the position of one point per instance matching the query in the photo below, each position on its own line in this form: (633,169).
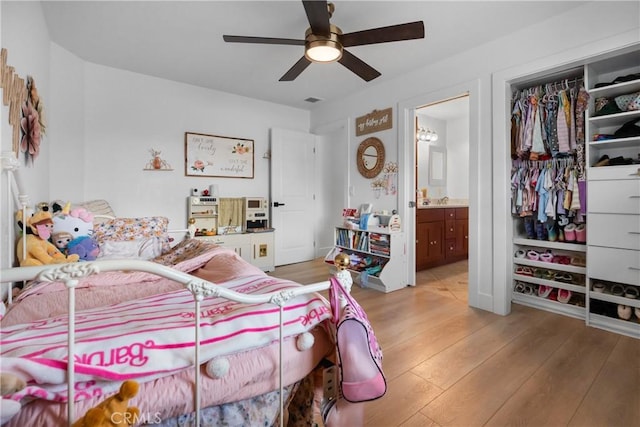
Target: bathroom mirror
(437,166)
(370,157)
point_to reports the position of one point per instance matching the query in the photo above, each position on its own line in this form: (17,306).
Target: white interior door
(292,195)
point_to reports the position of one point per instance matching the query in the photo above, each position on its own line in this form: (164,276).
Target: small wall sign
(374,121)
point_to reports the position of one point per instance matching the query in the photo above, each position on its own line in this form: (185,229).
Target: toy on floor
(113,411)
(39,251)
(9,383)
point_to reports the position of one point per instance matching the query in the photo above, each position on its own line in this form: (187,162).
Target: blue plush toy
(85,247)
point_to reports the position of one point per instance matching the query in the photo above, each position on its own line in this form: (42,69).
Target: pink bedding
(252,372)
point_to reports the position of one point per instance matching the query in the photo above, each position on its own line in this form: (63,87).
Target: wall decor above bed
(212,155)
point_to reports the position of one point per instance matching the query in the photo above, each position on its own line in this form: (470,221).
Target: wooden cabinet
(442,236)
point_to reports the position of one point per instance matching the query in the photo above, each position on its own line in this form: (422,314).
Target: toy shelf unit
(203,211)
(378,256)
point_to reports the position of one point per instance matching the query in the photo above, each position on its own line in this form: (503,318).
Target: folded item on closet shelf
(603,136)
(606,106)
(620,79)
(629,129)
(628,102)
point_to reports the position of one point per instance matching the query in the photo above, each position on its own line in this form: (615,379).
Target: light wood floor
(447,364)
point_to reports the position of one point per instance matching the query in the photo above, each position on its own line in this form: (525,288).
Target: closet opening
(442,196)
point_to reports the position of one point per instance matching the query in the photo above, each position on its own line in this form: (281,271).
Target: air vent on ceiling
(312,99)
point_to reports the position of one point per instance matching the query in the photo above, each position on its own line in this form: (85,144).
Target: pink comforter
(253,371)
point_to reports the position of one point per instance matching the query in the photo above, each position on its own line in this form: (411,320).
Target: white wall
(126,114)
(458,158)
(24,35)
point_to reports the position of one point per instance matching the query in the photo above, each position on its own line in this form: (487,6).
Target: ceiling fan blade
(392,33)
(358,66)
(262,40)
(295,71)
(318,16)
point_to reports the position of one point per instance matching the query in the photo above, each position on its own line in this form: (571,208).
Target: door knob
(276,204)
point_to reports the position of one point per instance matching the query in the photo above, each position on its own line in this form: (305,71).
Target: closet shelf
(550,266)
(574,247)
(620,326)
(549,305)
(617,142)
(614,119)
(553,284)
(615,299)
(615,90)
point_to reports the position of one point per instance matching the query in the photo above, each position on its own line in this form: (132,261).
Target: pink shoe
(564,296)
(570,233)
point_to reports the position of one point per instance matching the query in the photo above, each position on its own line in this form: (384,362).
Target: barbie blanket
(150,337)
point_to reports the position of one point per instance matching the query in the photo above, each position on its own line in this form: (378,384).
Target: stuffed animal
(114,410)
(39,251)
(72,231)
(9,383)
(85,247)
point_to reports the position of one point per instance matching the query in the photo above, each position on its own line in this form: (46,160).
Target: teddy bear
(39,250)
(113,411)
(72,231)
(9,383)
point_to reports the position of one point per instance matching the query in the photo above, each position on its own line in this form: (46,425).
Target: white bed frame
(200,289)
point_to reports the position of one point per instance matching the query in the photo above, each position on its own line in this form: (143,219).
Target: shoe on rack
(564,296)
(624,312)
(581,233)
(570,233)
(544,291)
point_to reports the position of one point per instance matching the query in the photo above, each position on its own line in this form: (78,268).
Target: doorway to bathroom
(442,196)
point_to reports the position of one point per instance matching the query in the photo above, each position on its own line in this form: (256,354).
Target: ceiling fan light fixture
(323,49)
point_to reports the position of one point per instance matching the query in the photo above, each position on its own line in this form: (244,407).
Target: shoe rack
(602,272)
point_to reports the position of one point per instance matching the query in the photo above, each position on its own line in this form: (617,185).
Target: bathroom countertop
(448,205)
(452,203)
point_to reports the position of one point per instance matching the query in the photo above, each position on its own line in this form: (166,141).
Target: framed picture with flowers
(221,156)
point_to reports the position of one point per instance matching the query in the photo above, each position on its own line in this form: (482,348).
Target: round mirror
(370,157)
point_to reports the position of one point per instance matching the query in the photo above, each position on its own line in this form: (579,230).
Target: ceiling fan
(325,42)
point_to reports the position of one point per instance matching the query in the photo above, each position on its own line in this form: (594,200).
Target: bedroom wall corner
(25,35)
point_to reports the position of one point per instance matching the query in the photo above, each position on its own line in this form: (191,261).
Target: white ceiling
(182,40)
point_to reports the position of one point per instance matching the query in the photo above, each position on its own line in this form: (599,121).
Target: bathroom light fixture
(426,135)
